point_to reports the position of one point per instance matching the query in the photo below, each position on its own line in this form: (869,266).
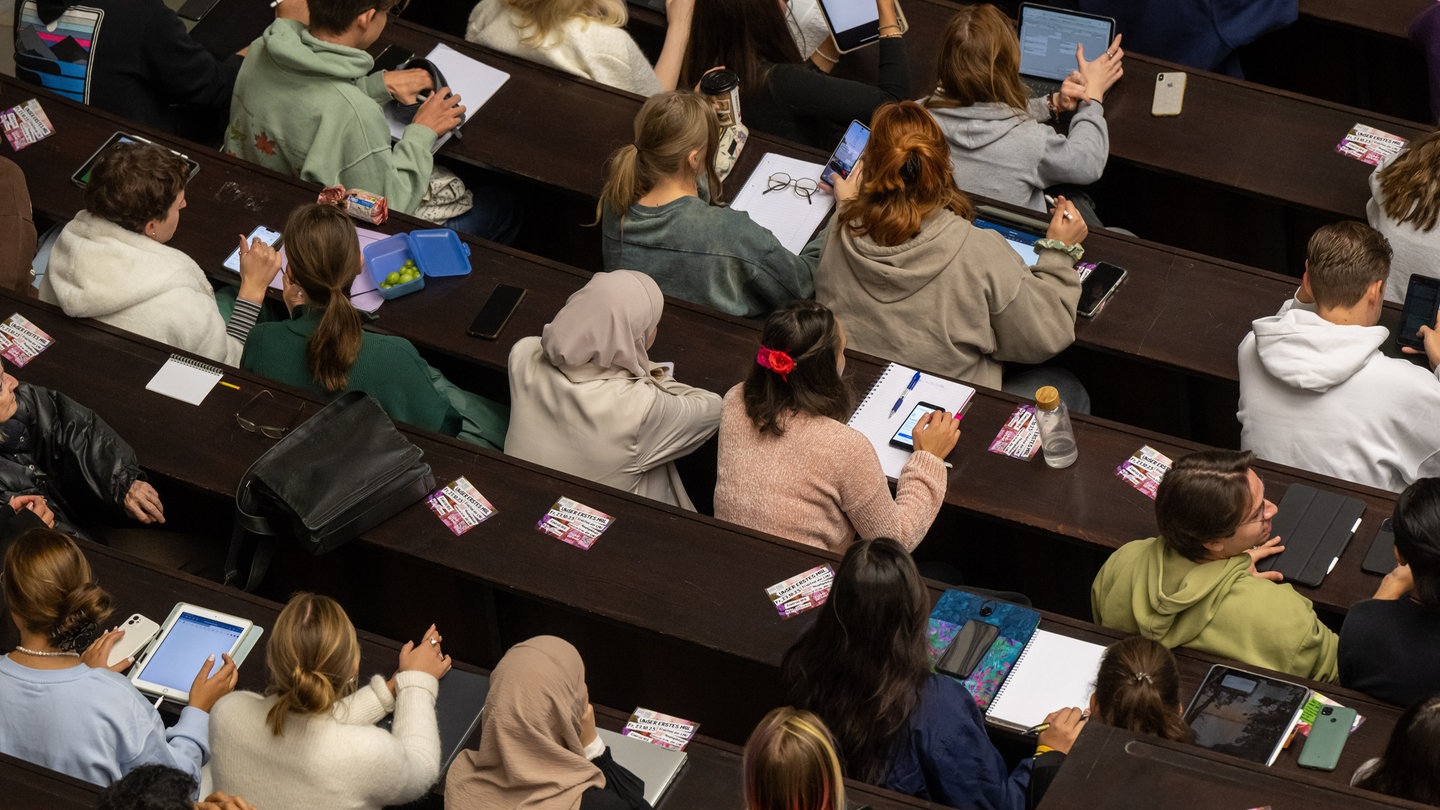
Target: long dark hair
(746,36)
(1138,689)
(1417,536)
(808,334)
(1410,766)
(324,259)
(863,663)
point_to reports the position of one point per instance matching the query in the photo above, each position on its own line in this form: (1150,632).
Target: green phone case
(1328,734)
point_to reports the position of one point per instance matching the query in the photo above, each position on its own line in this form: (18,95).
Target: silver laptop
(1048,37)
(655,765)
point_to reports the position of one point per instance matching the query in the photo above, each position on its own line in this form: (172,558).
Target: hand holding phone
(139,631)
(262,233)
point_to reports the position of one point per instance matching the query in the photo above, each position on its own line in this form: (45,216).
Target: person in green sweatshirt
(1196,585)
(306,104)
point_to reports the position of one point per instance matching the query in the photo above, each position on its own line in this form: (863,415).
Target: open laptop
(1048,37)
(458,709)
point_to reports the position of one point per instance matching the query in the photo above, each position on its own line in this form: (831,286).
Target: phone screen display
(1421,301)
(190,641)
(904,437)
(264,234)
(496,311)
(1098,286)
(842,160)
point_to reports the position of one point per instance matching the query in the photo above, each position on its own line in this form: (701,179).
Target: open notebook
(874,417)
(790,216)
(1052,672)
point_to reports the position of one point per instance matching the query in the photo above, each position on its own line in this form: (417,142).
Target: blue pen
(901,401)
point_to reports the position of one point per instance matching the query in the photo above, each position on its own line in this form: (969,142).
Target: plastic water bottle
(1057,438)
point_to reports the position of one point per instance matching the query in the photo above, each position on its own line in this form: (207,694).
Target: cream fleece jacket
(584,47)
(100,270)
(338,761)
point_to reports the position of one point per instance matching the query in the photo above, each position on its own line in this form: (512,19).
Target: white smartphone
(189,636)
(1169,94)
(139,631)
(269,237)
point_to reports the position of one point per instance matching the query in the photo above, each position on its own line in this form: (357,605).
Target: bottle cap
(1047,398)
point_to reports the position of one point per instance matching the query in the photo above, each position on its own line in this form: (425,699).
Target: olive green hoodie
(1217,607)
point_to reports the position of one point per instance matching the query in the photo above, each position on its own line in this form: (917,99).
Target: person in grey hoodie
(1000,140)
(1315,391)
(915,281)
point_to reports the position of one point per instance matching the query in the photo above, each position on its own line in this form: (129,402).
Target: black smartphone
(1380,559)
(1097,288)
(497,310)
(903,437)
(1422,302)
(969,646)
(196,9)
(392,58)
(842,160)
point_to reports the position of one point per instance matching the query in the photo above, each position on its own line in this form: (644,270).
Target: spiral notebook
(185,379)
(878,419)
(1052,672)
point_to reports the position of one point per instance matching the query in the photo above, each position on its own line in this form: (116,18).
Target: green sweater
(306,107)
(387,368)
(1218,607)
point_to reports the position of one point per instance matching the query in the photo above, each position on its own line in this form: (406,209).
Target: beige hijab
(530,750)
(605,324)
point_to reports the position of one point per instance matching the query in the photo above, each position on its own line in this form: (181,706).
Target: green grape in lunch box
(408,272)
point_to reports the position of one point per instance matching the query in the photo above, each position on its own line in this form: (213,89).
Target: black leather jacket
(56,447)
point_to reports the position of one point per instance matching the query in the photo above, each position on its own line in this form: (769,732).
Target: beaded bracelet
(1075,251)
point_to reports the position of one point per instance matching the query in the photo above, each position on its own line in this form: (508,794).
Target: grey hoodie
(1321,396)
(1001,154)
(955,299)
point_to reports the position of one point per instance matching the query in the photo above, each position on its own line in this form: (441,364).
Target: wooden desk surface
(28,785)
(1109,768)
(1389,17)
(708,576)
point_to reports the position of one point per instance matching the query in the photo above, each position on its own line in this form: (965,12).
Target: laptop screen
(1048,37)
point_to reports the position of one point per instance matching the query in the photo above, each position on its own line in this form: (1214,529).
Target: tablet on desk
(187,638)
(81,177)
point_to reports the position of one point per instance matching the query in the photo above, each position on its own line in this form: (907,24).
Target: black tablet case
(1314,526)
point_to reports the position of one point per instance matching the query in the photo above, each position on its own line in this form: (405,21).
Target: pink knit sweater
(820,483)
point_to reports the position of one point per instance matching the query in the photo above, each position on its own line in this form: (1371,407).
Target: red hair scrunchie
(777,361)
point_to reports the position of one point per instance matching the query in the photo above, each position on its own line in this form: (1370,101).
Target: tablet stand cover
(1314,526)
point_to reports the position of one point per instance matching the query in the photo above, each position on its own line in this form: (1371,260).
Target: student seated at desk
(1390,645)
(1001,141)
(586,399)
(659,218)
(323,347)
(1315,390)
(1196,586)
(111,262)
(63,709)
(538,745)
(790,764)
(864,668)
(311,739)
(1404,207)
(307,105)
(583,37)
(916,281)
(1137,688)
(1410,766)
(781,93)
(790,466)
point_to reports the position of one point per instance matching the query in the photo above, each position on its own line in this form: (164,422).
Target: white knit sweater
(339,761)
(585,48)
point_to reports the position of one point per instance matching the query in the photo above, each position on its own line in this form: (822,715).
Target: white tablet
(188,637)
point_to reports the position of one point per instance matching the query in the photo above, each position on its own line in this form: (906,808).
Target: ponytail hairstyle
(790,764)
(907,177)
(1410,766)
(313,657)
(1410,184)
(979,62)
(1138,689)
(323,259)
(542,22)
(800,371)
(668,128)
(48,588)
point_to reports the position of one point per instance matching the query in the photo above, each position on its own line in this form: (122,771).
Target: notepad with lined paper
(185,379)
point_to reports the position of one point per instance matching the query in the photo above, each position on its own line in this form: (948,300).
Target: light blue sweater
(93,724)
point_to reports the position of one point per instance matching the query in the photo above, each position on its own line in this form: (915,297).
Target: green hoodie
(1217,607)
(306,107)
